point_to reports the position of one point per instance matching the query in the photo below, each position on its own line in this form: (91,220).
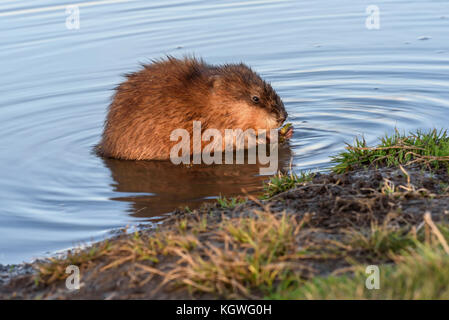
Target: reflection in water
(165,186)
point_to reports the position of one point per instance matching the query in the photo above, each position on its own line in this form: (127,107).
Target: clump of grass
(112,254)
(109,254)
(380,242)
(444,187)
(253,257)
(420,270)
(230,203)
(419,273)
(430,149)
(54,270)
(282,182)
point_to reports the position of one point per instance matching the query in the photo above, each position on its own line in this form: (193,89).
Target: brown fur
(171,93)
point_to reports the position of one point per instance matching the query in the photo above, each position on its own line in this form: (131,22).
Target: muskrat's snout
(282,113)
(282,118)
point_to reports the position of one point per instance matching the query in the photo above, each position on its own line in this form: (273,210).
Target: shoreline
(311,237)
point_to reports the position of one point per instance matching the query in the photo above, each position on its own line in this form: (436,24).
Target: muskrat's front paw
(289,133)
(286,132)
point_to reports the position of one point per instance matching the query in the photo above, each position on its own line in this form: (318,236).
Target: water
(337,79)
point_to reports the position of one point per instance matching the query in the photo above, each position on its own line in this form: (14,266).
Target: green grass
(283,182)
(417,269)
(230,203)
(419,273)
(380,242)
(429,149)
(252,259)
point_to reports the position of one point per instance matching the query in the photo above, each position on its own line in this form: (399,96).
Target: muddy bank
(322,226)
(9,271)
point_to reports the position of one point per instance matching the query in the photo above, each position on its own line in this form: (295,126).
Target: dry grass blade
(434,228)
(150,269)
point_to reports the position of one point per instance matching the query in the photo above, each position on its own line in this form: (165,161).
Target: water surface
(337,78)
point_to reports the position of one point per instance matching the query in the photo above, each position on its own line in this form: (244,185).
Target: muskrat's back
(172,93)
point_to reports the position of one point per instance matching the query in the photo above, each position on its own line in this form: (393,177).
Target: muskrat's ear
(215,81)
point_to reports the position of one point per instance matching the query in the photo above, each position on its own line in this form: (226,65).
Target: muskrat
(171,93)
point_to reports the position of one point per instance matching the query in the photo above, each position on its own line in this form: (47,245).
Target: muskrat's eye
(255,99)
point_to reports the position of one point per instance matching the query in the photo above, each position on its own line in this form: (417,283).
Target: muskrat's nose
(283,116)
(281,120)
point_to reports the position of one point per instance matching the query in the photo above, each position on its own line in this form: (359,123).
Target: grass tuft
(380,242)
(283,182)
(419,270)
(230,203)
(419,273)
(252,258)
(430,149)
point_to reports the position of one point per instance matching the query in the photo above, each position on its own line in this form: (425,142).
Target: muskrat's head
(247,98)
